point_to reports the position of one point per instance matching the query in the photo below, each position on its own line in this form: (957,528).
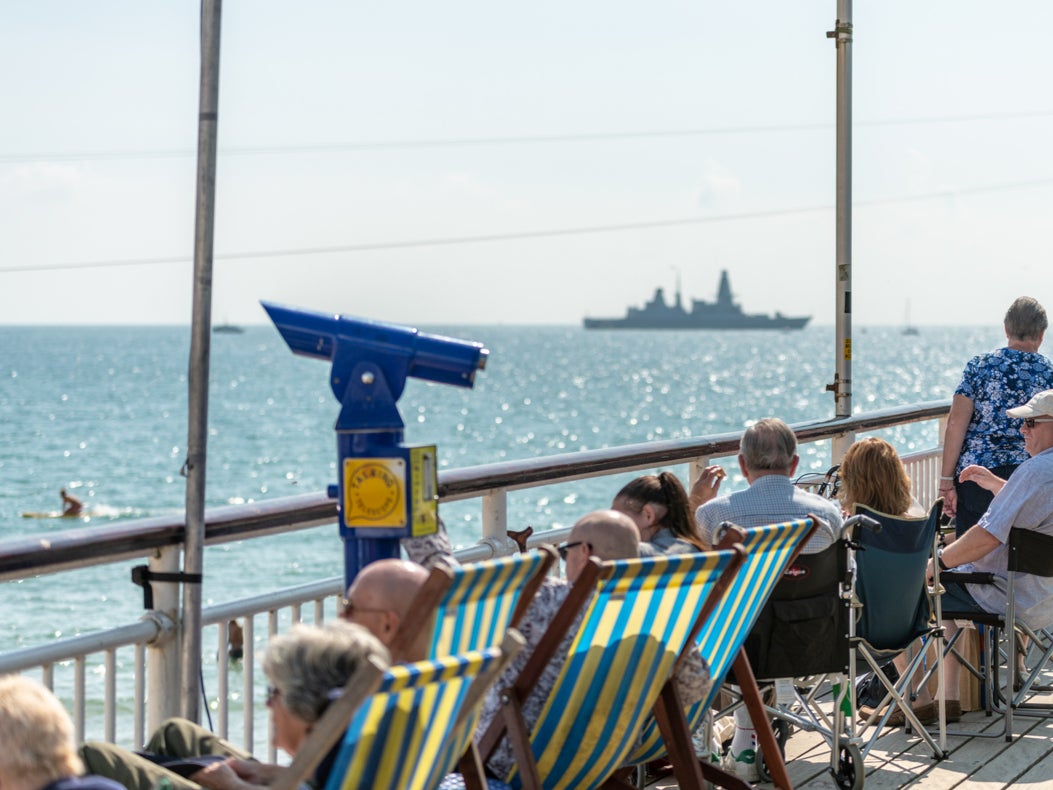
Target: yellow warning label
(848,348)
(374,492)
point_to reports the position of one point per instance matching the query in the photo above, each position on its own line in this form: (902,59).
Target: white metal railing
(97,670)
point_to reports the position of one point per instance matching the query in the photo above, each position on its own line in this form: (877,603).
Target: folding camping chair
(396,726)
(894,615)
(768,551)
(837,605)
(636,618)
(1030,552)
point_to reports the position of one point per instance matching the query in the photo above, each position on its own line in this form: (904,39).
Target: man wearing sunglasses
(606,535)
(1024,501)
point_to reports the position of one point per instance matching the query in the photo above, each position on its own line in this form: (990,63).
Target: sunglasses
(273,692)
(563,547)
(1030,421)
(349,609)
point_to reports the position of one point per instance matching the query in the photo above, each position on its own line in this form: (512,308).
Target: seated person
(378,600)
(1023,502)
(768,459)
(605,534)
(37,736)
(71,506)
(659,507)
(872,474)
(303,666)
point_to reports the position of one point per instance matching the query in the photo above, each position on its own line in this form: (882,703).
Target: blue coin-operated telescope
(387,490)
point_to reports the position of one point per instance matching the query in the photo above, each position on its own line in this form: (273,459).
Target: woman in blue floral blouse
(978,429)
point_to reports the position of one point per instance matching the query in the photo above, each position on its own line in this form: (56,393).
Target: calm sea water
(102,411)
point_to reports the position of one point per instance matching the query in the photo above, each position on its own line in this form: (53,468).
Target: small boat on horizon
(227,329)
(725,313)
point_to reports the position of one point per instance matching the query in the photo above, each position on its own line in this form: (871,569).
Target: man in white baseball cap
(1025,501)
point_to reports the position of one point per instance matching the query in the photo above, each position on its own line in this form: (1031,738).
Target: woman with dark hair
(659,507)
(978,429)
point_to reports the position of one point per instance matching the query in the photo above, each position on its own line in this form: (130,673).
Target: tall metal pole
(200,338)
(842,386)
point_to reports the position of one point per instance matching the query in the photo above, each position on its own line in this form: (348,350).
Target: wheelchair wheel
(782,734)
(849,774)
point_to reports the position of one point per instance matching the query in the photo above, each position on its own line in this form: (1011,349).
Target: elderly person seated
(37,736)
(303,666)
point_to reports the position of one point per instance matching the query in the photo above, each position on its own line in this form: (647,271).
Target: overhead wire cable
(466,142)
(532,234)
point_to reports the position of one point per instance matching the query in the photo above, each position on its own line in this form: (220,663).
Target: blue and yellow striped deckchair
(485,599)
(474,605)
(636,622)
(769,550)
(398,736)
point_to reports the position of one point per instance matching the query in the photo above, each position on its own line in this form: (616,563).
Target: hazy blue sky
(718,113)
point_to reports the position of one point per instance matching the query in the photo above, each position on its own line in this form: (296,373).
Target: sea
(102,412)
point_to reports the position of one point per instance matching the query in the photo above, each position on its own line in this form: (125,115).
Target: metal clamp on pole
(142,576)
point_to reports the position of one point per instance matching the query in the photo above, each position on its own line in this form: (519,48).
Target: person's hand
(983,477)
(706,486)
(221,776)
(950,501)
(253,771)
(930,572)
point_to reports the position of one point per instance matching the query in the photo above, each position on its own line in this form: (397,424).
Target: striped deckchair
(394,727)
(769,550)
(474,605)
(485,599)
(636,617)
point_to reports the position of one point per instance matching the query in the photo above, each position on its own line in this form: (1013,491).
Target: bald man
(606,535)
(378,600)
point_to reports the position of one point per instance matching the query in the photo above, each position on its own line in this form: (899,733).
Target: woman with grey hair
(303,666)
(978,429)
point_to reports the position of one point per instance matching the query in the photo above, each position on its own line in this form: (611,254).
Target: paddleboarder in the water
(71,506)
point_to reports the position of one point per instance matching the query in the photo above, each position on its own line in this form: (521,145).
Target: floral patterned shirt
(994,382)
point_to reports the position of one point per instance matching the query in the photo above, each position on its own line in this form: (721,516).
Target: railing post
(839,446)
(495,522)
(163,656)
(695,470)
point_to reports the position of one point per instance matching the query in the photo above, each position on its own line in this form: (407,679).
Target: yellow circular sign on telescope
(374,492)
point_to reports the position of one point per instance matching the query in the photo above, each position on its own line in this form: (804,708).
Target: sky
(472,162)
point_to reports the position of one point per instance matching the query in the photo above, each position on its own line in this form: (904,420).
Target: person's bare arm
(983,477)
(957,424)
(971,546)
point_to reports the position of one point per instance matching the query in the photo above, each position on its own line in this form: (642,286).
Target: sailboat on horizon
(908,327)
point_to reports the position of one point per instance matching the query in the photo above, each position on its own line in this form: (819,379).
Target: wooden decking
(898,760)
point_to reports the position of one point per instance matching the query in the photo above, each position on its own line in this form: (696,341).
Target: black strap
(142,576)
